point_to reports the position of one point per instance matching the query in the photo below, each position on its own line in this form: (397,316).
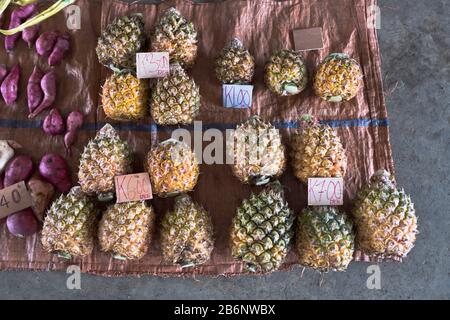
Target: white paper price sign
(152,64)
(237,96)
(14,198)
(325,191)
(133,187)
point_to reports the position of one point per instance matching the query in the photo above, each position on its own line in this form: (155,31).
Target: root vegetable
(3,72)
(2,221)
(42,193)
(54,169)
(46,42)
(34,91)
(17,17)
(30,34)
(23,223)
(6,154)
(74,123)
(60,49)
(18,169)
(54,123)
(10,85)
(48,86)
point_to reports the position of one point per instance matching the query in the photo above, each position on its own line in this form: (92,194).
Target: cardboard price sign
(325,191)
(152,64)
(133,187)
(237,96)
(14,198)
(308,39)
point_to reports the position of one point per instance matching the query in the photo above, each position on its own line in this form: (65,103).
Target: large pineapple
(119,43)
(105,157)
(187,234)
(262,230)
(286,73)
(235,64)
(124,97)
(70,225)
(317,151)
(325,239)
(173,168)
(338,78)
(126,229)
(385,219)
(177,36)
(257,152)
(175,99)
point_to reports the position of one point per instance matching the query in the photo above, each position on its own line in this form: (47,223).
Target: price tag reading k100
(325,191)
(14,198)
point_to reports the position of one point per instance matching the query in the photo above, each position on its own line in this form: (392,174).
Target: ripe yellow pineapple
(235,64)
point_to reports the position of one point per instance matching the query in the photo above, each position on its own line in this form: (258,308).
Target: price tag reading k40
(14,198)
(133,187)
(325,191)
(152,64)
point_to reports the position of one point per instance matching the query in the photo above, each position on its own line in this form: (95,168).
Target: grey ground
(416,66)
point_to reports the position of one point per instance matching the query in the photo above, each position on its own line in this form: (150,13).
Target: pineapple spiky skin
(105,157)
(175,99)
(119,43)
(235,64)
(177,36)
(125,230)
(286,73)
(173,168)
(257,152)
(325,239)
(187,234)
(317,151)
(70,225)
(124,97)
(385,219)
(262,230)
(338,78)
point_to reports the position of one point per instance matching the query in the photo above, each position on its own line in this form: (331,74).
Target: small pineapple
(262,230)
(175,99)
(119,43)
(325,239)
(105,157)
(317,151)
(257,152)
(173,168)
(70,225)
(187,234)
(286,73)
(126,229)
(235,64)
(385,219)
(124,97)
(338,78)
(175,35)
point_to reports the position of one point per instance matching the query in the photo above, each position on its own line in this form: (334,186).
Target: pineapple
(105,157)
(119,43)
(126,229)
(175,99)
(262,230)
(70,224)
(173,168)
(317,151)
(286,73)
(124,97)
(187,234)
(235,64)
(175,35)
(257,152)
(325,239)
(338,78)
(385,219)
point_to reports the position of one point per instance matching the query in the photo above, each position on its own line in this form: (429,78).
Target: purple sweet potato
(48,86)
(74,123)
(46,42)
(34,91)
(61,48)
(18,169)
(23,223)
(2,221)
(10,85)
(54,169)
(42,193)
(30,34)
(17,17)
(25,12)
(3,72)
(54,123)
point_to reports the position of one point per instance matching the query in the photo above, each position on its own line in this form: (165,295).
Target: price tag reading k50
(152,64)
(325,191)
(133,187)
(14,198)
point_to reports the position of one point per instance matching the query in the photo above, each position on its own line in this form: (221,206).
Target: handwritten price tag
(237,96)
(308,39)
(133,187)
(325,192)
(152,64)
(14,198)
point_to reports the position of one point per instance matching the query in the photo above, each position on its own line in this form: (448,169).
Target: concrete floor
(416,62)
